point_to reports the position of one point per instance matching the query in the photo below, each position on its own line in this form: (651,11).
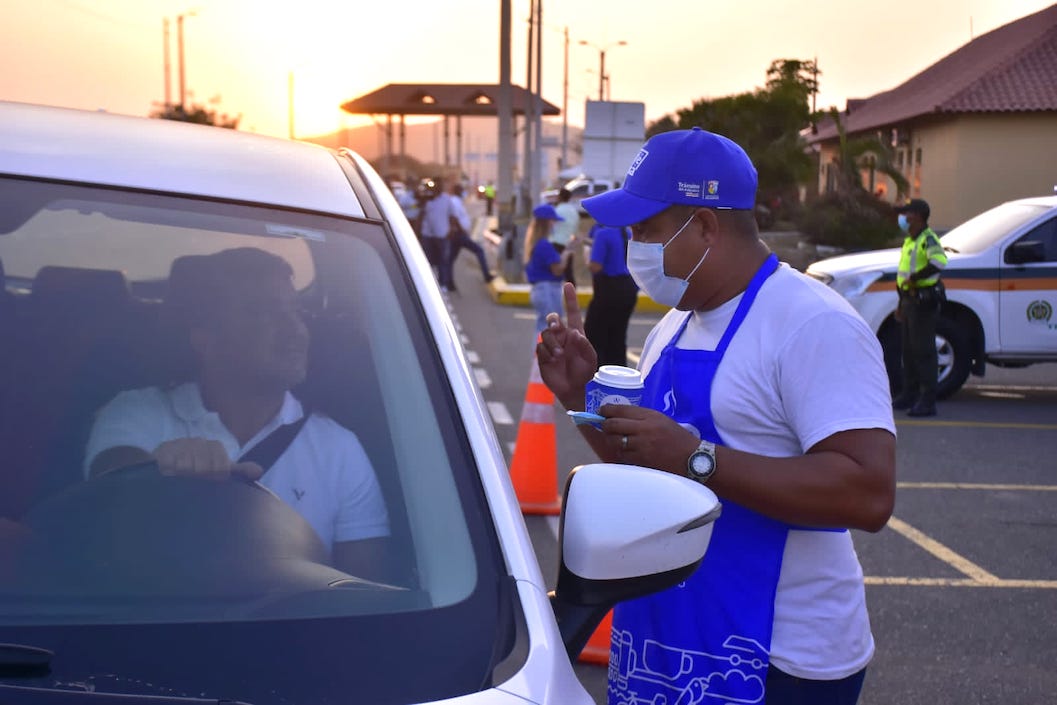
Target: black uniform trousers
(606,323)
(920,309)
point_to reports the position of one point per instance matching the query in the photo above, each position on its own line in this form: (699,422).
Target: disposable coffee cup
(614,384)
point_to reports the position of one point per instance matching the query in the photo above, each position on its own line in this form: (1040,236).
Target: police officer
(920,297)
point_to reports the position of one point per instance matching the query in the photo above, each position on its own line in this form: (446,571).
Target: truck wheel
(953,354)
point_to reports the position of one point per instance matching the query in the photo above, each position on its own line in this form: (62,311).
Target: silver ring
(623,442)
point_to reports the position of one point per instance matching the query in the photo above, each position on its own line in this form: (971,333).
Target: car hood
(887,259)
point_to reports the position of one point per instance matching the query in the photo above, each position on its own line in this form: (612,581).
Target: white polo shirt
(802,367)
(324,473)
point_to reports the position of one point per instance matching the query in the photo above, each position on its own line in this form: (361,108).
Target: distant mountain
(425,142)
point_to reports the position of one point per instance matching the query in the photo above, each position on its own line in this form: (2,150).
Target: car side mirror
(625,531)
(1025,251)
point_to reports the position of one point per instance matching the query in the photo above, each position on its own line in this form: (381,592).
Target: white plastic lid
(619,376)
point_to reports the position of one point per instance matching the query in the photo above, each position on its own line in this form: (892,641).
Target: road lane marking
(500,414)
(960,582)
(484,381)
(937,549)
(473,358)
(974,486)
(980,424)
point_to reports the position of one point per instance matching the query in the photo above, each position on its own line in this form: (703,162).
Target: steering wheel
(134,531)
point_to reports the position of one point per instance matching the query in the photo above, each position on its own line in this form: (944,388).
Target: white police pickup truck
(1001,282)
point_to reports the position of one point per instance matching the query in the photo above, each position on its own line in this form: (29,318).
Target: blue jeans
(438,252)
(784,689)
(546,297)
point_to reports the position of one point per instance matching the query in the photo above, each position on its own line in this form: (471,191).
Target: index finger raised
(573,318)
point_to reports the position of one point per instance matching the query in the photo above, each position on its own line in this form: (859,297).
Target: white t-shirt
(563,230)
(802,367)
(438,212)
(324,473)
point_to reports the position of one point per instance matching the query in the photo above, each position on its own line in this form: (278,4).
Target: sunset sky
(239,54)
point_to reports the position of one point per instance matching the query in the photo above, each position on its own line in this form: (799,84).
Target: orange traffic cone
(534,467)
(597,649)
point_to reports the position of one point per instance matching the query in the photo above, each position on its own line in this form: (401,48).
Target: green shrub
(850,222)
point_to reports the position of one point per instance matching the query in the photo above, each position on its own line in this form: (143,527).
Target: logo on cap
(713,188)
(639,159)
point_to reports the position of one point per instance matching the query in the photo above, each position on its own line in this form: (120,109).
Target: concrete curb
(507,294)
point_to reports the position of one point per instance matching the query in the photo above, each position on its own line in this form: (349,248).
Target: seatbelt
(274,444)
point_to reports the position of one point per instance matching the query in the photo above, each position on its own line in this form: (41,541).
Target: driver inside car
(238,310)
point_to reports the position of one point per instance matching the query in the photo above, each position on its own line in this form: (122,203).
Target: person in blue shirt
(615,294)
(544,267)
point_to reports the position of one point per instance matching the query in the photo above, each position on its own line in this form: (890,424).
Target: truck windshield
(981,232)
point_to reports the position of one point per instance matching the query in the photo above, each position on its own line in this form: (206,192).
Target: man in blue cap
(767,387)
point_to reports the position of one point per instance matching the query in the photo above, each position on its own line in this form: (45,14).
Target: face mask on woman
(904,224)
(646,264)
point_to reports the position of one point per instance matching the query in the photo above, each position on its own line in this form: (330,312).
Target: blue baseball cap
(689,167)
(545,211)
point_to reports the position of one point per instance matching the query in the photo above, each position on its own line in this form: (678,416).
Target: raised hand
(567,360)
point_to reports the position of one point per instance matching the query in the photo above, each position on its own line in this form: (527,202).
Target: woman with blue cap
(544,267)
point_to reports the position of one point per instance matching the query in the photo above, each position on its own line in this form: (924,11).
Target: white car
(1001,284)
(147,587)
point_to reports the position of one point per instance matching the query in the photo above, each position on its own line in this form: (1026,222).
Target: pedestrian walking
(563,233)
(767,387)
(615,295)
(544,267)
(460,234)
(435,226)
(489,197)
(920,297)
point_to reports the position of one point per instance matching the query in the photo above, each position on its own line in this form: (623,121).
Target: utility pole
(535,176)
(505,158)
(602,78)
(528,122)
(565,106)
(290,102)
(180,56)
(165,55)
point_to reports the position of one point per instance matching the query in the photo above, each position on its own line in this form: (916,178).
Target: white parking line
(483,380)
(500,414)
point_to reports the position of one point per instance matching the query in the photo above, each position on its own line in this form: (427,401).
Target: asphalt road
(961,584)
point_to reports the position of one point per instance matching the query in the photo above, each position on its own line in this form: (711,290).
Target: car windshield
(361,567)
(981,232)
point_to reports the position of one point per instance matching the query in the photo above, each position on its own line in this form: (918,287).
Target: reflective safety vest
(918,252)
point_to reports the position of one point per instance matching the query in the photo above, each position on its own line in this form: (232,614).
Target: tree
(198,114)
(766,122)
(863,152)
(850,216)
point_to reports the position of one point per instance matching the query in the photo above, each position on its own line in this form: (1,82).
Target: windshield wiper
(24,661)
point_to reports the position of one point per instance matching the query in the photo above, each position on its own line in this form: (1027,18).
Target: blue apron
(707,640)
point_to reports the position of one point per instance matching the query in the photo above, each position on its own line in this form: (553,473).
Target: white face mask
(904,224)
(646,264)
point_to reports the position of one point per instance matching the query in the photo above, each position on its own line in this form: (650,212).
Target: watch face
(703,463)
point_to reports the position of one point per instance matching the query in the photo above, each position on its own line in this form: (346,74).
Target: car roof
(171,156)
(1047,201)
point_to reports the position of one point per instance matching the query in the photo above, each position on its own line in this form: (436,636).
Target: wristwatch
(701,465)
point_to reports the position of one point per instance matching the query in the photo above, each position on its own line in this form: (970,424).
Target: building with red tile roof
(974,129)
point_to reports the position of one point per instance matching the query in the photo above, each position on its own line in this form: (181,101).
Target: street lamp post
(602,78)
(180,54)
